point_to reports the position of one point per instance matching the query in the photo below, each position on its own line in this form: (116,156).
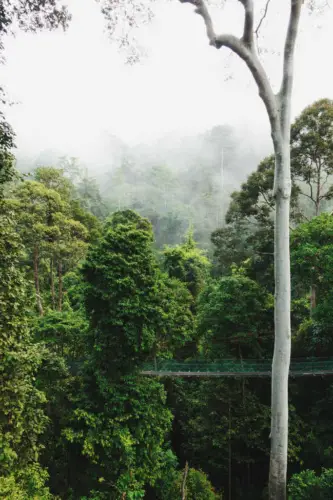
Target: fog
(76,96)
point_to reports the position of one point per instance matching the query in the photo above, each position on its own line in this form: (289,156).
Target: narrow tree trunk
(312,298)
(183,492)
(248,475)
(52,283)
(243,380)
(317,208)
(60,286)
(282,344)
(318,190)
(229,453)
(36,279)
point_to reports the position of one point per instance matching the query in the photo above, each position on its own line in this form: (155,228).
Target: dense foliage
(89,295)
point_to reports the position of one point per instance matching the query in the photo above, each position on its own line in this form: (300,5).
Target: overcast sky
(74,87)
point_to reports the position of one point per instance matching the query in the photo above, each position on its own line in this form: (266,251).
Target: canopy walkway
(233,368)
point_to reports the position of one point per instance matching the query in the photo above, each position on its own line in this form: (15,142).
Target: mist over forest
(176,181)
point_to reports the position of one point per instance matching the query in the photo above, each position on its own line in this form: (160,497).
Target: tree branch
(265,199)
(308,196)
(325,181)
(262,18)
(201,9)
(288,64)
(258,73)
(246,53)
(248,23)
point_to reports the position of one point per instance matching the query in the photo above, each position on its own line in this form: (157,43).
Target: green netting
(311,365)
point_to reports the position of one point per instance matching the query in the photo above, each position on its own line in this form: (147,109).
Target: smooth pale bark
(282,345)
(278,110)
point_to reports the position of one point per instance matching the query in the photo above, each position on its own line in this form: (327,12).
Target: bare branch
(202,10)
(245,52)
(258,73)
(248,22)
(307,196)
(288,63)
(262,18)
(270,204)
(325,181)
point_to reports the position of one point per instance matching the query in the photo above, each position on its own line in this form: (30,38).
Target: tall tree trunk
(282,193)
(60,291)
(278,111)
(52,282)
(36,279)
(282,344)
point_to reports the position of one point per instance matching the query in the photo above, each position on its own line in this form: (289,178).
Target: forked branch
(243,47)
(202,10)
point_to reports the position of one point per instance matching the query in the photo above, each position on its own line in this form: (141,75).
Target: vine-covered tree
(188,264)
(21,405)
(121,420)
(50,234)
(133,308)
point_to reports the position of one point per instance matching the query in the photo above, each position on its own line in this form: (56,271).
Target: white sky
(74,87)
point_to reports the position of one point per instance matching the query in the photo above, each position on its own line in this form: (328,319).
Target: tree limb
(201,9)
(248,23)
(325,181)
(262,18)
(266,201)
(288,63)
(308,196)
(246,53)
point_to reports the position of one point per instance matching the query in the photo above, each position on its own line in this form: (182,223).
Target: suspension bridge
(236,368)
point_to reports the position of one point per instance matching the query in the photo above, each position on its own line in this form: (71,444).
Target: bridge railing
(236,366)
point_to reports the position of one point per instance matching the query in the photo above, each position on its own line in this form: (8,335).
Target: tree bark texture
(282,344)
